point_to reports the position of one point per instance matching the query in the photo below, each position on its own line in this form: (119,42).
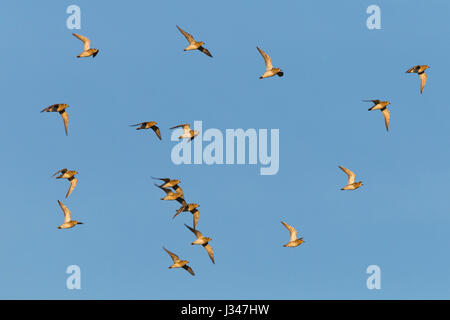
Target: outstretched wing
(172,255)
(188,36)
(387,117)
(423,80)
(197,233)
(65,117)
(188,269)
(184,126)
(267,59)
(60,171)
(86,41)
(157,131)
(73,184)
(291,230)
(205,51)
(351,175)
(210,251)
(195,217)
(66,212)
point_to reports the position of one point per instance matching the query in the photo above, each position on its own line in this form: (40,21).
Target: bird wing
(52,108)
(267,59)
(172,255)
(60,171)
(423,80)
(197,233)
(66,212)
(413,69)
(188,36)
(195,217)
(186,127)
(351,175)
(137,124)
(210,251)
(65,117)
(387,117)
(157,131)
(73,184)
(205,51)
(291,230)
(374,101)
(188,269)
(86,41)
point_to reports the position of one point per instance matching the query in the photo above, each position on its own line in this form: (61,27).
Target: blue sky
(399,219)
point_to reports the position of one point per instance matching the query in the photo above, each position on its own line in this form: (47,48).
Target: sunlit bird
(187,132)
(382,106)
(178,263)
(204,241)
(270,70)
(61,108)
(420,70)
(194,45)
(148,125)
(88,51)
(170,195)
(70,176)
(192,208)
(294,241)
(351,184)
(169,183)
(68,222)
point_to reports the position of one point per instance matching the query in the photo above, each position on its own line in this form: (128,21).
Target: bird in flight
(192,208)
(420,70)
(68,222)
(204,241)
(88,51)
(351,184)
(69,175)
(187,132)
(61,108)
(194,45)
(293,242)
(169,183)
(382,106)
(270,70)
(178,263)
(170,195)
(148,125)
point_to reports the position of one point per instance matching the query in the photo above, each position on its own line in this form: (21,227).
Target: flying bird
(170,195)
(382,106)
(293,242)
(68,222)
(420,70)
(194,45)
(192,208)
(204,241)
(177,263)
(187,132)
(70,176)
(169,183)
(87,47)
(351,184)
(61,108)
(270,70)
(148,125)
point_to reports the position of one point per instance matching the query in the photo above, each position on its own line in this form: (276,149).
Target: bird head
(95,53)
(281,73)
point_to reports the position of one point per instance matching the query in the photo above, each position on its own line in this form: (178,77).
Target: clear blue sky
(398,220)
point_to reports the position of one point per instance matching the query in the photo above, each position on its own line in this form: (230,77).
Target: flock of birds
(171,187)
